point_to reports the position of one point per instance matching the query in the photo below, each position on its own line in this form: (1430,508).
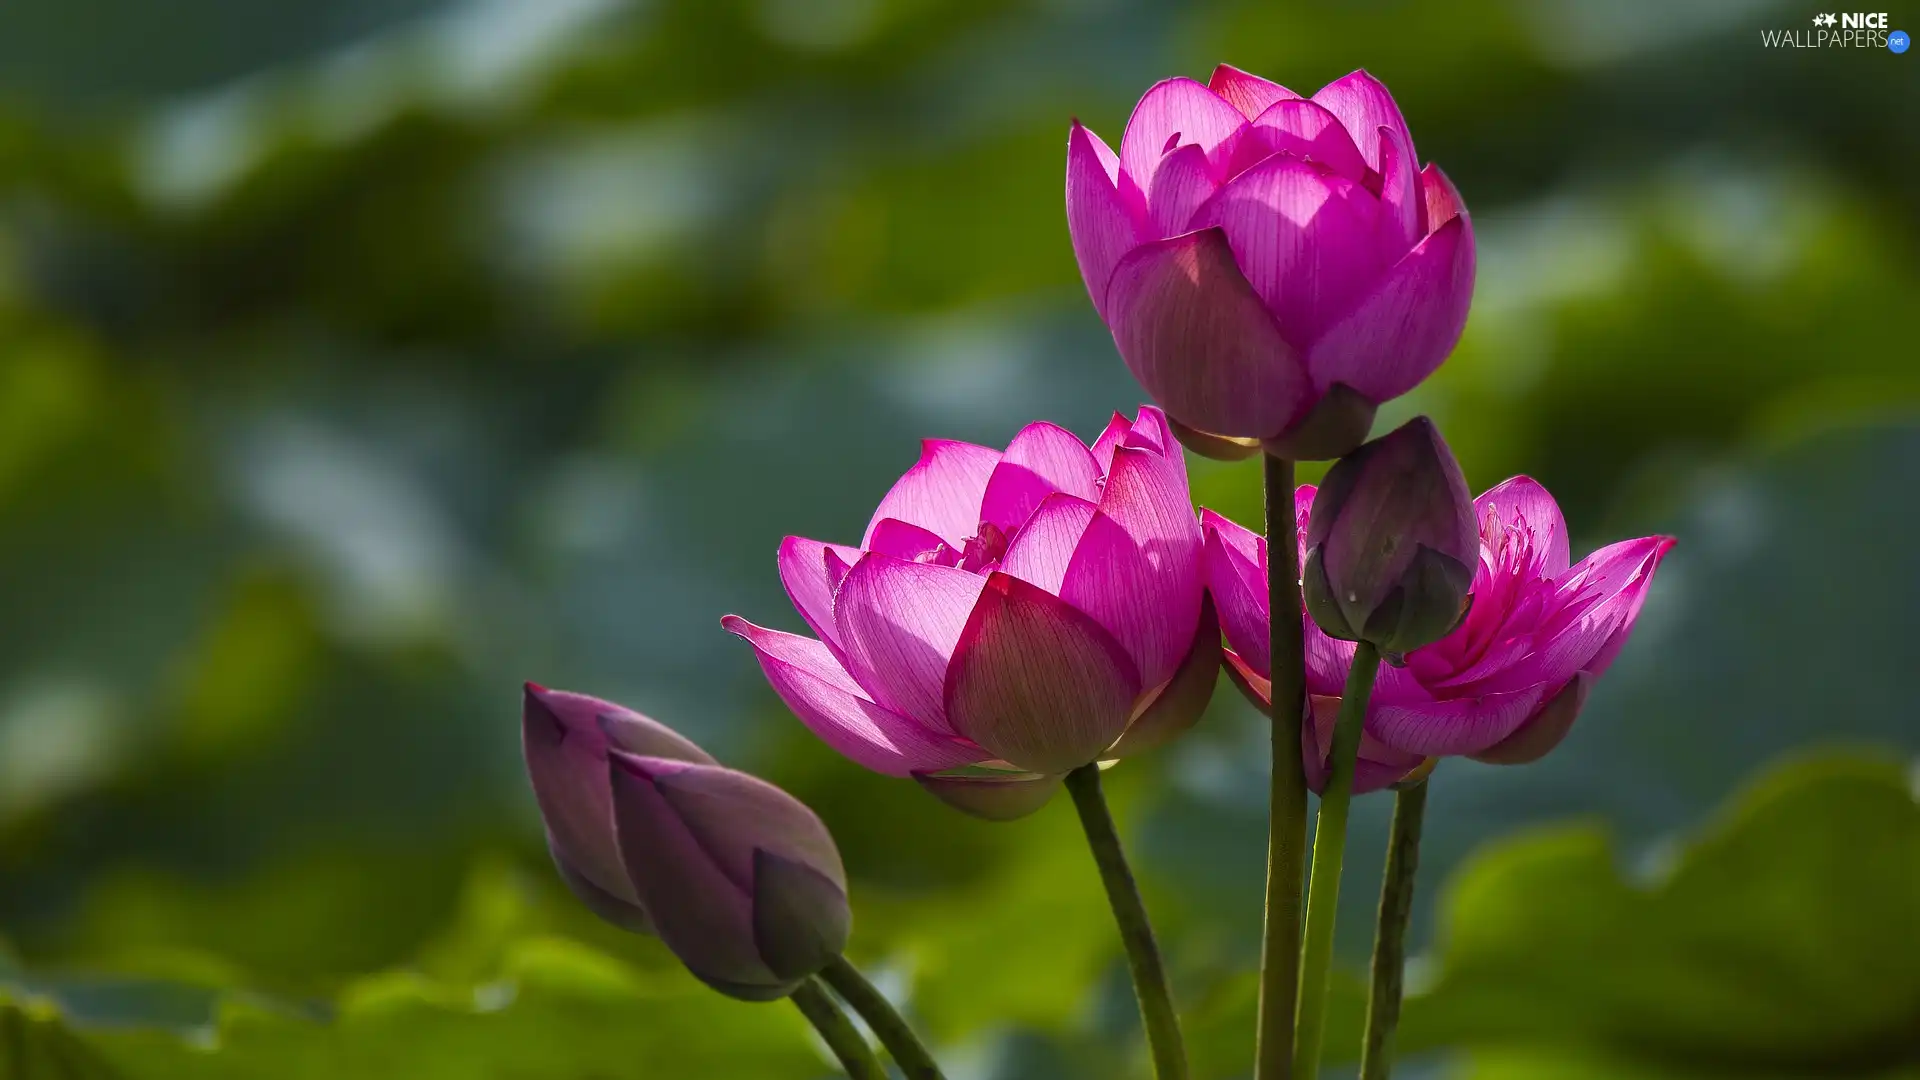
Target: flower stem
(1390,939)
(845,1040)
(1287,821)
(1329,849)
(887,1023)
(1143,953)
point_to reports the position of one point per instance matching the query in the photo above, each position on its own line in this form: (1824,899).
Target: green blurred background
(361,359)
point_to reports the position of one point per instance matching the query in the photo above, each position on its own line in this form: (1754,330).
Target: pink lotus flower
(1254,251)
(1506,685)
(1030,611)
(737,877)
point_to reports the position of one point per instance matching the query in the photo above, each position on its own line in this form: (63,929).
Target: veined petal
(905,540)
(1250,94)
(1239,590)
(942,492)
(1363,105)
(1305,239)
(1443,199)
(1042,550)
(1328,659)
(1199,339)
(1545,729)
(1173,113)
(1467,725)
(899,623)
(810,581)
(1116,433)
(1521,501)
(1405,327)
(1041,460)
(1624,607)
(1099,221)
(826,699)
(1037,682)
(1378,766)
(1181,183)
(1301,128)
(1152,432)
(1165,712)
(1403,200)
(1142,579)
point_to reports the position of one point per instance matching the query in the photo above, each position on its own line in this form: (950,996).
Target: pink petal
(904,540)
(806,572)
(1624,607)
(1255,687)
(1239,590)
(1182,182)
(826,699)
(1403,201)
(1042,459)
(1376,767)
(1165,712)
(1201,342)
(942,492)
(1521,501)
(1443,199)
(1142,578)
(1250,94)
(1116,433)
(1099,222)
(1399,333)
(1457,726)
(1364,106)
(1036,682)
(1179,111)
(1044,547)
(1305,130)
(1152,432)
(1545,729)
(899,623)
(1327,661)
(1303,236)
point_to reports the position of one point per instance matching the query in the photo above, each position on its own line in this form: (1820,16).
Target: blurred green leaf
(1785,940)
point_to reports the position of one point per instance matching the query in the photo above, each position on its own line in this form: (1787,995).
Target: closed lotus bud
(734,875)
(1391,543)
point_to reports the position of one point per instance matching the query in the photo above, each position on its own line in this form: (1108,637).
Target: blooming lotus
(737,877)
(1505,686)
(1007,617)
(1272,267)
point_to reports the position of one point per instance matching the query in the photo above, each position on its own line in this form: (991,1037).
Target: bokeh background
(360,360)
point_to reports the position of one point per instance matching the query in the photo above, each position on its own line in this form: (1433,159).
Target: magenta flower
(1507,684)
(1009,616)
(737,877)
(1254,252)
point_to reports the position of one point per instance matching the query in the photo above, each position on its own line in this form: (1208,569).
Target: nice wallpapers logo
(1847,30)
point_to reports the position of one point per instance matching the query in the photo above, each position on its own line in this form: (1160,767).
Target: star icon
(1828,19)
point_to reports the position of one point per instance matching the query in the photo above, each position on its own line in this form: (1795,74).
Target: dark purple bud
(1391,544)
(565,738)
(740,879)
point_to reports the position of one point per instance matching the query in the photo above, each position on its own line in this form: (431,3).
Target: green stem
(867,1000)
(1143,953)
(845,1040)
(1390,939)
(1287,822)
(1329,849)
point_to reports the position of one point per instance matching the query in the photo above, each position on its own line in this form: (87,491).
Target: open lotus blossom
(1008,616)
(1506,685)
(737,877)
(1272,267)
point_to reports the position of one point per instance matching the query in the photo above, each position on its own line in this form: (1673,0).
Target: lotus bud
(735,876)
(1391,543)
